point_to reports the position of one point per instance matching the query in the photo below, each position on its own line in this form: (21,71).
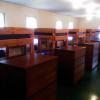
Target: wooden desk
(92,52)
(31,77)
(71,64)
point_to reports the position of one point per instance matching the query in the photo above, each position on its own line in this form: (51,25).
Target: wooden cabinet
(71,64)
(31,77)
(99,48)
(92,54)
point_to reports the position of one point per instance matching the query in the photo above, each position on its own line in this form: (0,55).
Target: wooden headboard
(15,36)
(44,31)
(61,37)
(61,34)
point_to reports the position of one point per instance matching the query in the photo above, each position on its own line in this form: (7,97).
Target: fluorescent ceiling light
(91,7)
(77,4)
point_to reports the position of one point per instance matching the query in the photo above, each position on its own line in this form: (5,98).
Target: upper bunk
(48,37)
(14,38)
(76,36)
(61,37)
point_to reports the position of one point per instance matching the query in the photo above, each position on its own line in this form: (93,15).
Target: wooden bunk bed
(70,69)
(23,76)
(92,49)
(45,38)
(50,36)
(61,38)
(14,38)
(83,38)
(89,34)
(77,35)
(66,55)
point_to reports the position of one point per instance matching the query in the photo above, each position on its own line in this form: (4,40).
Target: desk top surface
(27,61)
(90,44)
(71,48)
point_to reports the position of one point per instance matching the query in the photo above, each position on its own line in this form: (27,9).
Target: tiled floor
(87,89)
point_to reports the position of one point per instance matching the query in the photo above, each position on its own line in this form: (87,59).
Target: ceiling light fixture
(90,8)
(77,4)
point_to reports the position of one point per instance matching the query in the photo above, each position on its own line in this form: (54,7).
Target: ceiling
(76,8)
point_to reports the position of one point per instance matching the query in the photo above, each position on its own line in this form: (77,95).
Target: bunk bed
(83,38)
(92,49)
(49,37)
(60,48)
(60,38)
(77,36)
(90,34)
(28,75)
(70,69)
(13,39)
(45,38)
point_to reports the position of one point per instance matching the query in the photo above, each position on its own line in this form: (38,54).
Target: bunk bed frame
(45,38)
(78,36)
(61,35)
(49,37)
(13,37)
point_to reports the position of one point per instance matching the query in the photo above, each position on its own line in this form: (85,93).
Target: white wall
(16,15)
(93,24)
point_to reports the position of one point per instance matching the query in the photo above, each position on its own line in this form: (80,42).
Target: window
(70,38)
(70,25)
(59,25)
(2,20)
(31,22)
(35,41)
(99,36)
